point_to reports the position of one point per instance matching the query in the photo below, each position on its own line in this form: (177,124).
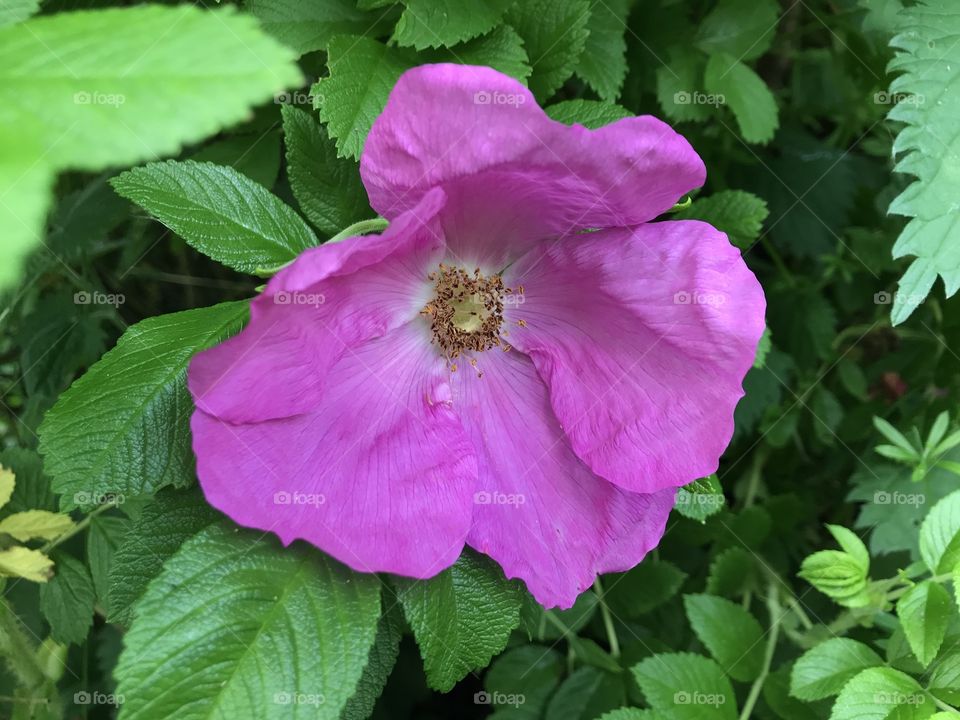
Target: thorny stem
(607,620)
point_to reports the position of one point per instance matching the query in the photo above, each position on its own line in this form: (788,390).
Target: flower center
(466,312)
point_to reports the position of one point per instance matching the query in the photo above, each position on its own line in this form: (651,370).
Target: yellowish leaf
(6,485)
(32,524)
(23,562)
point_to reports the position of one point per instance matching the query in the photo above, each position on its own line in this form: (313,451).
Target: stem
(16,647)
(79,527)
(942,705)
(360,228)
(773,607)
(607,620)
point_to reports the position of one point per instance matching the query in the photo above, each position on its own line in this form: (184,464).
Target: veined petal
(379,475)
(330,299)
(643,336)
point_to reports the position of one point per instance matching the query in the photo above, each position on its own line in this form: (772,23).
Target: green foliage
(731,634)
(461,618)
(303,616)
(823,670)
(554,34)
(432,23)
(738,213)
(67,600)
(307,25)
(218,211)
(924,611)
(686,687)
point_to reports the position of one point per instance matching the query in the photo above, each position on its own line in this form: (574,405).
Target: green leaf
(940,535)
(554,33)
(684,686)
(732,573)
(586,693)
(67,600)
(603,64)
(220,212)
(173,517)
(122,427)
(589,113)
(644,588)
(731,634)
(103,538)
(852,545)
(14,11)
(924,611)
(700,499)
(461,617)
(679,86)
(837,575)
(882,694)
(764,346)
(927,92)
(91,90)
(327,187)
(432,23)
(738,213)
(823,670)
(502,49)
(362,74)
(255,155)
(530,672)
(747,96)
(742,28)
(383,656)
(945,677)
(307,25)
(286,632)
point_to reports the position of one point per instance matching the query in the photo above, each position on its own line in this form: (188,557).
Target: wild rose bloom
(486,372)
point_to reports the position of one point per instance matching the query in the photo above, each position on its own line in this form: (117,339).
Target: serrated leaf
(764,346)
(837,575)
(554,34)
(700,499)
(527,671)
(747,96)
(732,573)
(256,155)
(383,656)
(644,588)
(362,74)
(823,670)
(591,114)
(502,49)
(852,545)
(679,85)
(940,535)
(924,611)
(944,679)
(32,489)
(603,63)
(103,539)
(738,213)
(220,212)
(327,187)
(305,617)
(307,25)
(14,11)
(461,617)
(684,686)
(90,90)
(432,23)
(23,562)
(67,600)
(927,146)
(742,28)
(7,483)
(163,526)
(731,634)
(882,694)
(36,524)
(122,427)
(586,693)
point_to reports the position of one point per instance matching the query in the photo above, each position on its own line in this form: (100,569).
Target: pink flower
(485,372)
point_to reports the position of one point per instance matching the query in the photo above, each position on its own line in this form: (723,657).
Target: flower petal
(331,298)
(380,475)
(643,336)
(513,175)
(540,512)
